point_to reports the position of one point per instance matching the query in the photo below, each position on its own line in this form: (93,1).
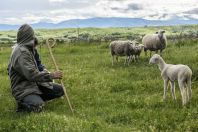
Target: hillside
(105,22)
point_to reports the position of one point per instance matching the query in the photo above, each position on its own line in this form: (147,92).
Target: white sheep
(137,51)
(170,72)
(155,42)
(121,48)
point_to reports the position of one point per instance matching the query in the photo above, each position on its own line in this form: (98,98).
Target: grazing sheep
(155,42)
(170,72)
(137,50)
(121,48)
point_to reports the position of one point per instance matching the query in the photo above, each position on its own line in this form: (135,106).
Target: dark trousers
(35,102)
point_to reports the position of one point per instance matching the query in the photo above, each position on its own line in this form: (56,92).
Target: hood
(25,36)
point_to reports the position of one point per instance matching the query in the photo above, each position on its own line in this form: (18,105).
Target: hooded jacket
(23,71)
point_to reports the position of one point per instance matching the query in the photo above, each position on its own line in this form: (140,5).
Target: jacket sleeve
(38,61)
(26,67)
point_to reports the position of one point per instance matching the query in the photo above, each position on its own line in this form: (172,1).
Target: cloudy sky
(33,11)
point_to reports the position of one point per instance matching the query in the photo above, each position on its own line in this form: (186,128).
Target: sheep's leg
(165,88)
(129,59)
(160,52)
(117,58)
(173,90)
(132,58)
(150,53)
(136,57)
(183,92)
(189,90)
(125,61)
(112,60)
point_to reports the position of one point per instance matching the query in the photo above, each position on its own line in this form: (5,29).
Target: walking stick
(48,41)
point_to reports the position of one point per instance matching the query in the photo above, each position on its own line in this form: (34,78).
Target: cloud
(134,7)
(31,11)
(56,1)
(128,7)
(193,11)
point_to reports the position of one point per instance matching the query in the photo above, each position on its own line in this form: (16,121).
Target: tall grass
(106,97)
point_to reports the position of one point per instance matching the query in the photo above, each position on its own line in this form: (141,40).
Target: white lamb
(170,72)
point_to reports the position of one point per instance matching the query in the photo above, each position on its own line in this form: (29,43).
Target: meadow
(106,98)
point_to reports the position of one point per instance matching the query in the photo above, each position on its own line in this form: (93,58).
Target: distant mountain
(105,22)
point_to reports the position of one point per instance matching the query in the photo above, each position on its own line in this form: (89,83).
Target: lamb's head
(155,59)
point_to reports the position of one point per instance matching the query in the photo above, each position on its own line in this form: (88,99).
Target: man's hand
(56,75)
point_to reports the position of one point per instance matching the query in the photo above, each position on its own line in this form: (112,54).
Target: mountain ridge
(102,22)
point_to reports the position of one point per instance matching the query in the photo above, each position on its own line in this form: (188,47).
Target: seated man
(30,87)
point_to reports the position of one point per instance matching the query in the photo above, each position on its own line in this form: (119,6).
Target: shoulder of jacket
(23,49)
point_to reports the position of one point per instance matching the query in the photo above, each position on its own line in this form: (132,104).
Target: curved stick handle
(48,41)
(52,42)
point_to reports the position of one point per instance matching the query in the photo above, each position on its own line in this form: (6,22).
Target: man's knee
(58,89)
(32,103)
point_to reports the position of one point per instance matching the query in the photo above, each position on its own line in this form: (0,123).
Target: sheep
(137,50)
(155,42)
(170,72)
(121,48)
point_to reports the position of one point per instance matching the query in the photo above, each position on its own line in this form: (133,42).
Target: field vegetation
(106,98)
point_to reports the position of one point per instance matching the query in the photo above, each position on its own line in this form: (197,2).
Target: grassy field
(97,35)
(105,97)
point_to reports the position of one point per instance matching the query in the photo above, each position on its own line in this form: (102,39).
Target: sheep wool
(137,51)
(171,73)
(155,42)
(121,48)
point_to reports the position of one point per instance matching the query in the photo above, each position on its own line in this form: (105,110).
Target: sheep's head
(160,33)
(134,42)
(141,46)
(154,59)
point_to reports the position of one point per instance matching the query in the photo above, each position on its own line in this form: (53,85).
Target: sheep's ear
(141,45)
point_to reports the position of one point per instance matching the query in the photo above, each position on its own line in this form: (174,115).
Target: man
(30,87)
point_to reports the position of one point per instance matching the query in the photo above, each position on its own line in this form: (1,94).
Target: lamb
(170,72)
(137,51)
(121,48)
(155,42)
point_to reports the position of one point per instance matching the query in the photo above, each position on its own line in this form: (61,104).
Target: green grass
(92,35)
(105,97)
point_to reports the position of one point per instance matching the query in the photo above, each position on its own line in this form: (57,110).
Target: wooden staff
(51,40)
